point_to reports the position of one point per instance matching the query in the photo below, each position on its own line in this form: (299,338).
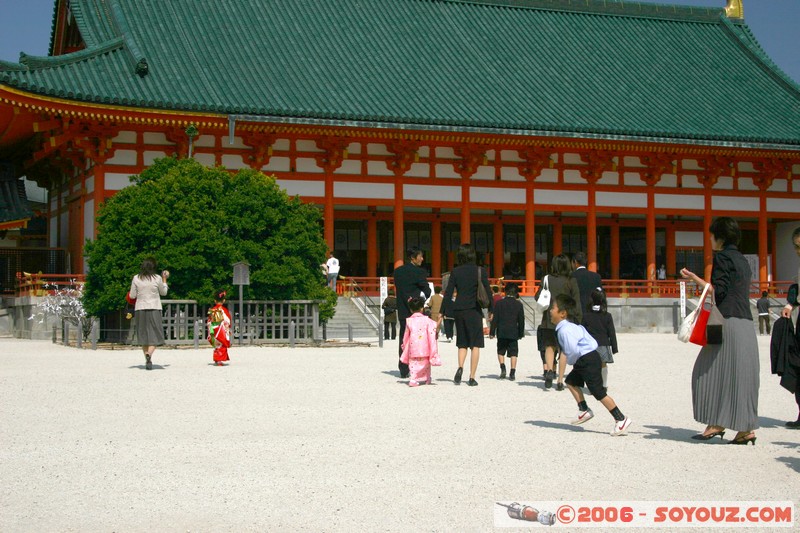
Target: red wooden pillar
(591,231)
(763,271)
(708,253)
(99,192)
(465,218)
(530,237)
(372,243)
(498,244)
(671,258)
(436,245)
(650,234)
(328,211)
(615,249)
(399,231)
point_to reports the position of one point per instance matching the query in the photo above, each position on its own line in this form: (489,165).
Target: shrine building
(526,127)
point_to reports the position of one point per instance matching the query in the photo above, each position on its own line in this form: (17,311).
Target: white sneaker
(621,427)
(583,416)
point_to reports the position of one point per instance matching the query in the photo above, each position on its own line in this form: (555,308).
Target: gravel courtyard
(330,439)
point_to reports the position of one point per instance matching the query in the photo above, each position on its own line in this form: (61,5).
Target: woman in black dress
(465,309)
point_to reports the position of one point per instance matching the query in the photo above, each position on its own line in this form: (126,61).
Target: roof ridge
(744,37)
(30,62)
(118,19)
(625,8)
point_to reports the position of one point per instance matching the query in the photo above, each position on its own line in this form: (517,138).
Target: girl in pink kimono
(420,349)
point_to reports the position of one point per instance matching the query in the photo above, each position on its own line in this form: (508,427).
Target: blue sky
(25,26)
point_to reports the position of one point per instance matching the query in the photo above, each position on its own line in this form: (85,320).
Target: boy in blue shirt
(580,349)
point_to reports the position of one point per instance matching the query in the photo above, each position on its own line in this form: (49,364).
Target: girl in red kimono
(420,349)
(219,328)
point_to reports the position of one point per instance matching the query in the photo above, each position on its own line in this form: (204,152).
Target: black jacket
(587,282)
(601,327)
(409,280)
(464,281)
(508,319)
(730,277)
(784,353)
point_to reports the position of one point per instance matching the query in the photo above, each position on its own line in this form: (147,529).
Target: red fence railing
(29,284)
(615,288)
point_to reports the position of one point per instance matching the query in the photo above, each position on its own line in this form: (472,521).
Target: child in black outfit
(508,324)
(580,349)
(600,325)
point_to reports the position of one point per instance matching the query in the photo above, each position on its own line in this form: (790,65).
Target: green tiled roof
(554,67)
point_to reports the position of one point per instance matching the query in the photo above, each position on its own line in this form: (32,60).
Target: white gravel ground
(330,439)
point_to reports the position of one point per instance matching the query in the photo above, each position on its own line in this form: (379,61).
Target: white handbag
(543,301)
(687,326)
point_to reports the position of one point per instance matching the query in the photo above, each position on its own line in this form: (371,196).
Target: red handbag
(708,319)
(131,301)
(699,336)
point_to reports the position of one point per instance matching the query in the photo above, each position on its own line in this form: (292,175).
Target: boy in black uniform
(508,325)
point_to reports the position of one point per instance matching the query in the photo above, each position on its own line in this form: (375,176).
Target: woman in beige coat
(147,288)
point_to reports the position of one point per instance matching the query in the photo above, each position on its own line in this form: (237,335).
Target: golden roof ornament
(735,9)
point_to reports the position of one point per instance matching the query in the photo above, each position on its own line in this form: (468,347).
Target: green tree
(198,221)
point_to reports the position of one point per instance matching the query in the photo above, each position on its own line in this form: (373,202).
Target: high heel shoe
(744,440)
(457,378)
(709,436)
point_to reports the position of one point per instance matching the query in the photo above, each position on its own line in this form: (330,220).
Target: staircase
(348,313)
(532,317)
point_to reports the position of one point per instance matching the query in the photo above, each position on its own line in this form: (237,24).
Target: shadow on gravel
(155,367)
(678,435)
(395,373)
(766,422)
(791,462)
(791,445)
(556,425)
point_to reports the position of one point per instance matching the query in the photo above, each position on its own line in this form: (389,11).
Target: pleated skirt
(149,331)
(725,379)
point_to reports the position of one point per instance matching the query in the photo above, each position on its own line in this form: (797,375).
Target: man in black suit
(587,280)
(409,280)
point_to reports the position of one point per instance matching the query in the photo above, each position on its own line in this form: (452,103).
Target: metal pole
(380,335)
(350,332)
(79,335)
(291,333)
(65,329)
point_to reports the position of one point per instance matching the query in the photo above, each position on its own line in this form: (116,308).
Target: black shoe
(457,378)
(709,436)
(793,425)
(559,386)
(502,373)
(512,376)
(548,379)
(472,383)
(148,363)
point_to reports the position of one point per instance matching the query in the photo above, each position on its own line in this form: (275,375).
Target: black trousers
(386,329)
(401,365)
(448,327)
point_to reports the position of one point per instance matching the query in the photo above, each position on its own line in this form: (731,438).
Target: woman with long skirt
(725,377)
